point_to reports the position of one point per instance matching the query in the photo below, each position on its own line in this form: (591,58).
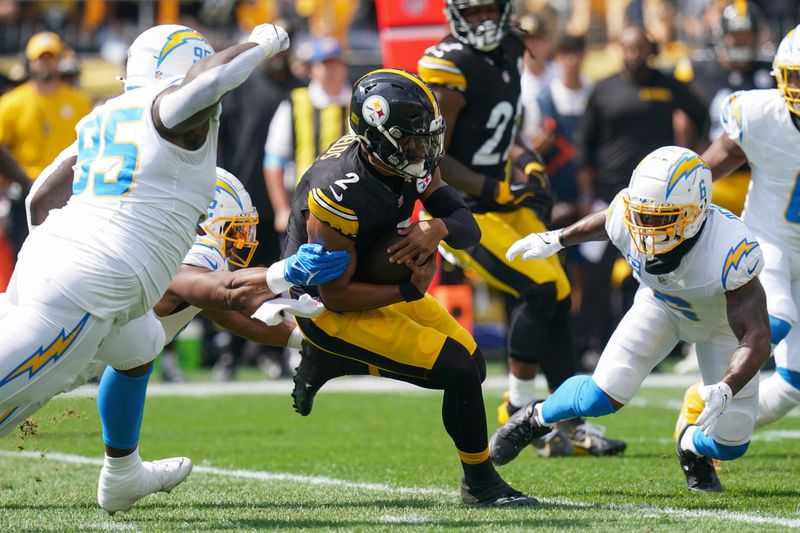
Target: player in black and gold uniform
(362,187)
(475,73)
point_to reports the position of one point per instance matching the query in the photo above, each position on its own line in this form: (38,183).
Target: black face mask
(669,261)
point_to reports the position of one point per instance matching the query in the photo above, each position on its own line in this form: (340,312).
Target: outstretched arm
(248,288)
(191,104)
(541,245)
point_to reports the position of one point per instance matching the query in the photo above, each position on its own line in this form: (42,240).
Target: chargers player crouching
(698,267)
(202,285)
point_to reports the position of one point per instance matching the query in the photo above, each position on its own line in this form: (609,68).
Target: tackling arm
(542,245)
(242,290)
(749,320)
(240,324)
(192,103)
(723,157)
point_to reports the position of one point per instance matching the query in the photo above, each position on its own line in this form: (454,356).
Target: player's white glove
(536,246)
(717,398)
(273,38)
(306,306)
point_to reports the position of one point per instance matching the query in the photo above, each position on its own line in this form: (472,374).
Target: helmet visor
(240,239)
(788,79)
(657,229)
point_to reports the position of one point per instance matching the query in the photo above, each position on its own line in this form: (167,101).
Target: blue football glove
(311,265)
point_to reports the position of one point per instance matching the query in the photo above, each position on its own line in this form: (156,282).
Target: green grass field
(373,462)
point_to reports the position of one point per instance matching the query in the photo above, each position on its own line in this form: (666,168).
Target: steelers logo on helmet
(406,140)
(375,110)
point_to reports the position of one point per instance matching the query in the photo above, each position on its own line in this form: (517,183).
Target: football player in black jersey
(475,73)
(362,187)
(732,65)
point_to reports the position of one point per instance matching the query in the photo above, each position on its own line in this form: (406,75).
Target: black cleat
(306,379)
(514,435)
(701,476)
(496,493)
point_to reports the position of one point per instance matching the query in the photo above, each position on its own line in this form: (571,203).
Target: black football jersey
(490,83)
(344,191)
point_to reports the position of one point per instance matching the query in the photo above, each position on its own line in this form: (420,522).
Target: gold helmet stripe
(417,81)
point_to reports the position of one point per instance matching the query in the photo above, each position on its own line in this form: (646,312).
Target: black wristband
(410,292)
(526,158)
(489,189)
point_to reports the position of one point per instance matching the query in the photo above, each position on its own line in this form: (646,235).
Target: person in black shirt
(731,66)
(628,116)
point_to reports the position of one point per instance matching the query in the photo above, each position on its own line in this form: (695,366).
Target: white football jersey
(760,123)
(725,257)
(204,253)
(136,202)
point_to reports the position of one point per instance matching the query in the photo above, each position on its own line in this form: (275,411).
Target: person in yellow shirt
(37,119)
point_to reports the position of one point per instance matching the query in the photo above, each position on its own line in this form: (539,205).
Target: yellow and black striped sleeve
(342,219)
(442,72)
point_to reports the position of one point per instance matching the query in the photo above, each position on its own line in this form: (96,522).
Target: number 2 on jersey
(489,153)
(108,162)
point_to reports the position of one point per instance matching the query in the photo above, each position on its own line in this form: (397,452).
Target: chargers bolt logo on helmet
(667,199)
(164,52)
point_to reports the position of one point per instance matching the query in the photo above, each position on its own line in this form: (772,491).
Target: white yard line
(637,509)
(365,384)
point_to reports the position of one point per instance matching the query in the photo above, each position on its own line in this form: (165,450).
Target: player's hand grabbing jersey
(725,257)
(490,83)
(760,123)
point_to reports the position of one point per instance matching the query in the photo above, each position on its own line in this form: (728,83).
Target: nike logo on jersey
(751,270)
(517,186)
(211,263)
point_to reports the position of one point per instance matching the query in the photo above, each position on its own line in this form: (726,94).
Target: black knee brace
(530,323)
(456,365)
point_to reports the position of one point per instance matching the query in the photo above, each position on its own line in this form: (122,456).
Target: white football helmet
(786,69)
(163,52)
(667,199)
(232,220)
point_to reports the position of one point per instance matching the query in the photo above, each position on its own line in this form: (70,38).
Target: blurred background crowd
(585,113)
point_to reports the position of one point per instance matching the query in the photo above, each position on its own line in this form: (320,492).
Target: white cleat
(119,488)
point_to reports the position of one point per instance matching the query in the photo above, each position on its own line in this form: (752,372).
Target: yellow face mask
(239,238)
(657,229)
(788,80)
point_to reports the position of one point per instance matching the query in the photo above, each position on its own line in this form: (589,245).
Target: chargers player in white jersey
(762,127)
(144,178)
(203,284)
(698,268)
